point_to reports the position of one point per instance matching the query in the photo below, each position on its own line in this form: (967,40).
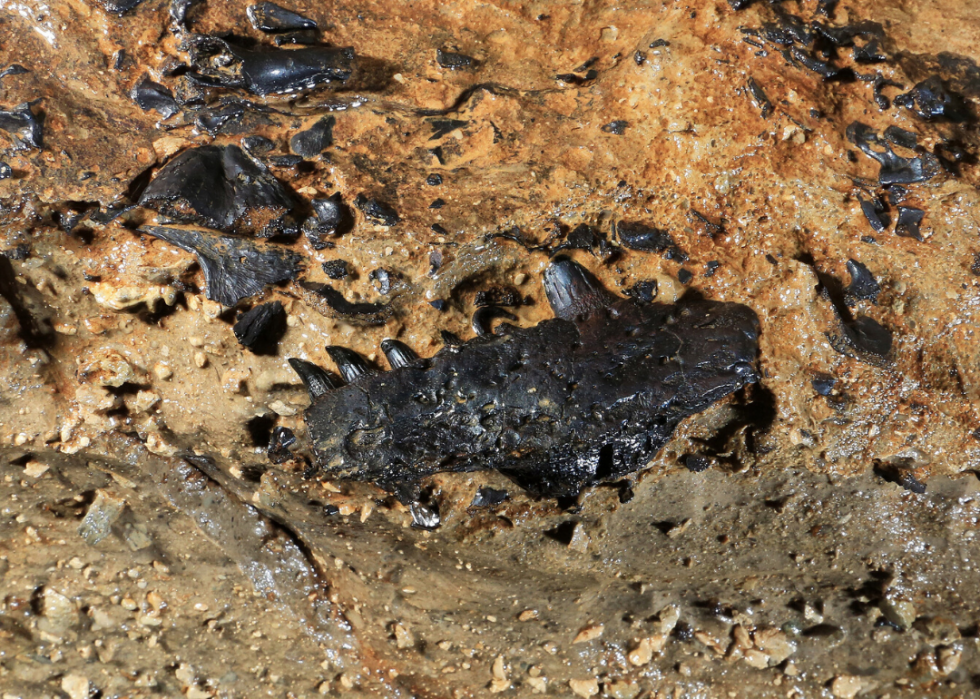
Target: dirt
(151,548)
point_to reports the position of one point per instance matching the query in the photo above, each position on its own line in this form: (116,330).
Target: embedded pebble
(584,688)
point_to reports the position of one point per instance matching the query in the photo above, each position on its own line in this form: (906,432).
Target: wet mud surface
(192,194)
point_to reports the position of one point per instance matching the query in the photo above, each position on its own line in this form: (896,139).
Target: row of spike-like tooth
(351,365)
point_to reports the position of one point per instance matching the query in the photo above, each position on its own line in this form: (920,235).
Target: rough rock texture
(815,536)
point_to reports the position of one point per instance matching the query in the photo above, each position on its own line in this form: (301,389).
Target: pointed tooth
(316,380)
(352,366)
(398,353)
(572,290)
(483,317)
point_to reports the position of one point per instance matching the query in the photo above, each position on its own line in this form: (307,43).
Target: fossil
(589,396)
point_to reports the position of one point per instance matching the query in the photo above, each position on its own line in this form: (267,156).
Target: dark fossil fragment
(261,328)
(930,100)
(760,98)
(874,211)
(24,126)
(217,186)
(454,61)
(234,268)
(823,384)
(314,140)
(908,222)
(863,284)
(696,463)
(120,7)
(267,71)
(616,128)
(488,497)
(894,168)
(587,397)
(331,218)
(643,291)
(215,119)
(863,338)
(269,17)
(902,137)
(583,237)
(639,236)
(278,450)
(13,69)
(150,95)
(329,302)
(336,269)
(258,145)
(377,210)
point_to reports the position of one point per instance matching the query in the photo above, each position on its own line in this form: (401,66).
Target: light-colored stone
(756,658)
(898,609)
(775,644)
(948,659)
(584,688)
(644,651)
(499,668)
(589,633)
(580,539)
(75,686)
(404,638)
(538,685)
(35,469)
(622,690)
(848,686)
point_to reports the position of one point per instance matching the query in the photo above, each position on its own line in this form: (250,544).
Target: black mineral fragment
(214,119)
(331,218)
(863,338)
(640,236)
(894,168)
(376,210)
(696,463)
(234,268)
(863,284)
(643,291)
(120,7)
(150,95)
(616,128)
(454,61)
(24,126)
(278,449)
(261,328)
(930,100)
(270,18)
(909,219)
(901,137)
(336,269)
(434,180)
(823,384)
(6,172)
(760,98)
(218,186)
(314,140)
(263,71)
(331,303)
(258,145)
(488,497)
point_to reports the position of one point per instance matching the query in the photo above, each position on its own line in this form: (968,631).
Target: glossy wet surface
(810,535)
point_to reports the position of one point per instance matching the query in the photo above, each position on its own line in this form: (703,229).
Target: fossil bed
(148,545)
